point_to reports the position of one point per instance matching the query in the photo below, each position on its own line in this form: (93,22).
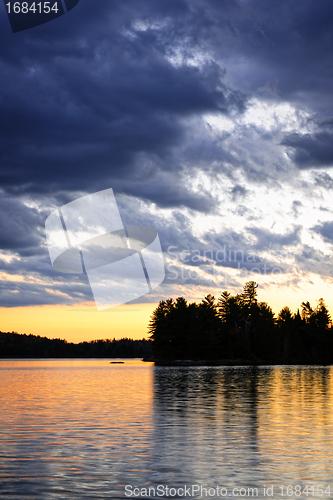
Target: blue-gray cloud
(308,151)
(325,229)
(114,95)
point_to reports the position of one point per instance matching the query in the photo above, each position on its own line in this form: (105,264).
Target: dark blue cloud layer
(84,95)
(112,95)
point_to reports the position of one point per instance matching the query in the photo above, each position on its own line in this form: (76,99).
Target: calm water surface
(84,429)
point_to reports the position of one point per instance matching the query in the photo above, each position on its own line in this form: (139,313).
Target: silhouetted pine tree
(238,326)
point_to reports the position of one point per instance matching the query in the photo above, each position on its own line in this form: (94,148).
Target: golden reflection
(278,418)
(89,423)
(42,393)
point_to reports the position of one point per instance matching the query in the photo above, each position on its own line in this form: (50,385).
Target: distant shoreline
(231,362)
(15,345)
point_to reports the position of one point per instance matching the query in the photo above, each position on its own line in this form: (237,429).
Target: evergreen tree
(322,316)
(210,324)
(307,312)
(265,341)
(240,327)
(285,325)
(251,313)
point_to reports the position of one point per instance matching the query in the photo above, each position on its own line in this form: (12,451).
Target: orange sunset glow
(82,322)
(78,323)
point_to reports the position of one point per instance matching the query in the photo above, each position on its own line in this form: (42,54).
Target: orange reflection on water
(64,413)
(75,389)
(295,417)
(83,425)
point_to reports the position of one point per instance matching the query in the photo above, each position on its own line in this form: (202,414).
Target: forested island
(239,329)
(233,329)
(14,345)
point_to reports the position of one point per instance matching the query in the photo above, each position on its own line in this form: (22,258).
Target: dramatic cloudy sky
(212,120)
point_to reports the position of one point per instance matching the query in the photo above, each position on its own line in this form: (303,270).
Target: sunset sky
(211,120)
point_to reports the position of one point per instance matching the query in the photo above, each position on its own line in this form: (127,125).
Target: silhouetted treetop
(238,326)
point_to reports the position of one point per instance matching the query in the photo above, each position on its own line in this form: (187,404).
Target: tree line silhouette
(239,327)
(14,345)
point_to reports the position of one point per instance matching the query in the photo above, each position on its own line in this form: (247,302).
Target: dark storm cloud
(238,192)
(84,95)
(30,281)
(296,207)
(112,95)
(309,151)
(15,294)
(314,261)
(20,227)
(325,229)
(88,99)
(215,253)
(267,239)
(324,180)
(281,48)
(169,191)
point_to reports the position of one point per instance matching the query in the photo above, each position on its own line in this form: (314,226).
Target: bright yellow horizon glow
(78,323)
(82,322)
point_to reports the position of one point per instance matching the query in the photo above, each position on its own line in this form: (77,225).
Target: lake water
(85,429)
